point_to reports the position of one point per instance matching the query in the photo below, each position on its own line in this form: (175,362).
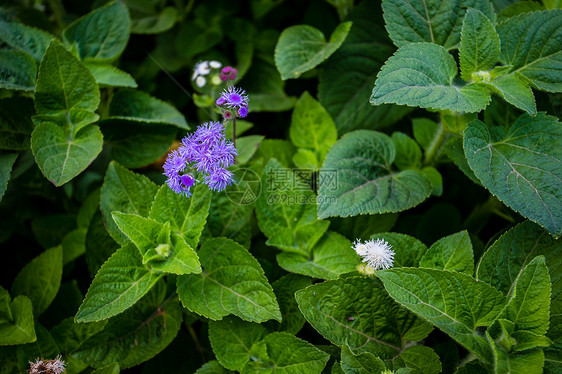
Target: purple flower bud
(220,101)
(226,69)
(243,111)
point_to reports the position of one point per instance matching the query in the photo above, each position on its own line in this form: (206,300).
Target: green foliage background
(433,125)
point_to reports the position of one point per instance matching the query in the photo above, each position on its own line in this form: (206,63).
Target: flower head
(173,168)
(56,366)
(207,152)
(233,101)
(207,71)
(228,73)
(378,254)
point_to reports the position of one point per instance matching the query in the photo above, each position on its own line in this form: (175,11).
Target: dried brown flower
(56,366)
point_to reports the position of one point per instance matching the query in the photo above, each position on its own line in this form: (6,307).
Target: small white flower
(215,64)
(378,254)
(200,82)
(202,68)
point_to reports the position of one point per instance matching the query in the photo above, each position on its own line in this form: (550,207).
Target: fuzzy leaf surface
(531,44)
(101,34)
(435,21)
(16,319)
(232,282)
(301,48)
(454,302)
(453,252)
(120,283)
(422,74)
(127,192)
(40,279)
(357,178)
(522,166)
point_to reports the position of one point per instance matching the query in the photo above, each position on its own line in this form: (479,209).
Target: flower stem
(438,140)
(234,131)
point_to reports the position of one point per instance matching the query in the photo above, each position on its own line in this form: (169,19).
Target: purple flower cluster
(207,152)
(233,100)
(228,73)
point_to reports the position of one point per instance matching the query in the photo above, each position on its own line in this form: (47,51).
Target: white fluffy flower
(215,64)
(378,254)
(201,68)
(200,82)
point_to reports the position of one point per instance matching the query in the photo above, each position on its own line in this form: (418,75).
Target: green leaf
(137,335)
(265,86)
(126,192)
(421,359)
(285,288)
(99,244)
(40,279)
(518,8)
(138,106)
(246,147)
(232,340)
(143,232)
(301,48)
(64,84)
(6,163)
(153,241)
(283,353)
(109,75)
(194,38)
(422,74)
(330,257)
(187,216)
(358,312)
(212,367)
(109,369)
(312,127)
(69,335)
(553,359)
(522,166)
(15,123)
(504,261)
(514,89)
(286,211)
(530,43)
(411,21)
(408,153)
(24,38)
(45,346)
(154,23)
(408,251)
(135,145)
(357,178)
(480,44)
(362,363)
(281,150)
(529,300)
(362,227)
(17,71)
(508,360)
(16,320)
(121,282)
(454,302)
(232,282)
(348,76)
(425,131)
(101,34)
(436,180)
(60,157)
(230,214)
(453,252)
